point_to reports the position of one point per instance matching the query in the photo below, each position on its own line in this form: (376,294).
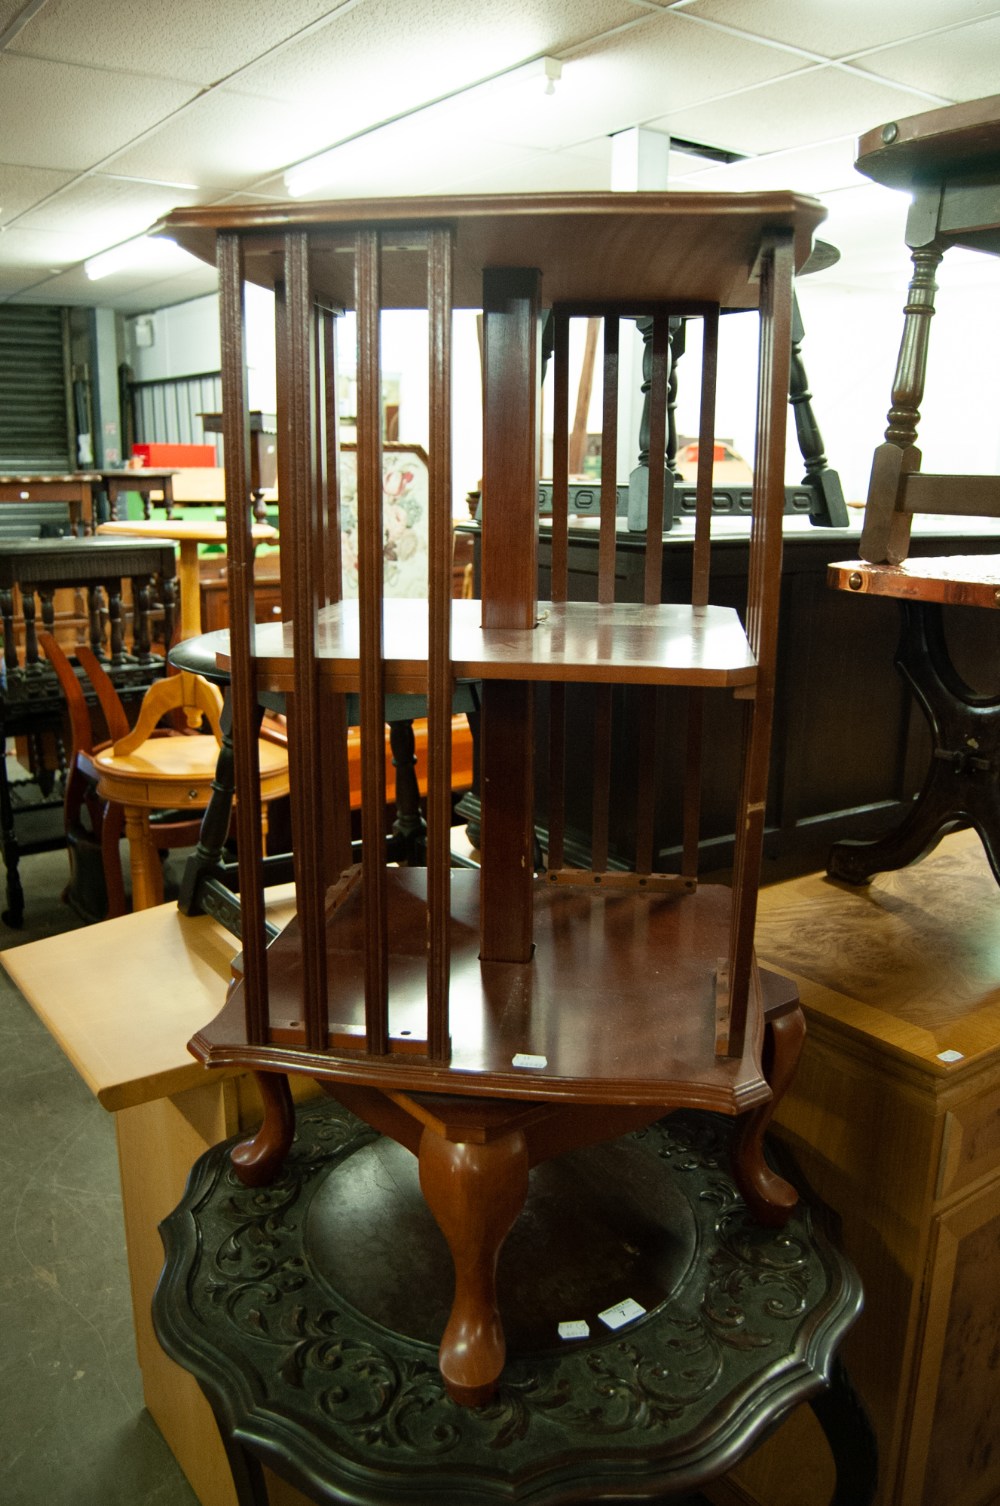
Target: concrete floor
(73,1430)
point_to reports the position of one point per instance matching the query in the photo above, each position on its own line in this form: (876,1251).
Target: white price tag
(621,1313)
(949,1056)
(524,1059)
(575,1328)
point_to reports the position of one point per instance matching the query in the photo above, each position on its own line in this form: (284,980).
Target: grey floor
(73,1430)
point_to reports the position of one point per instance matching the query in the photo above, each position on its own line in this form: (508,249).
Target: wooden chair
(949,159)
(74,588)
(141,770)
(489,1021)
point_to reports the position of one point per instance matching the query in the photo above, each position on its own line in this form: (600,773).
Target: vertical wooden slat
(334,560)
(701,556)
(777,266)
(609,464)
(243,687)
(559,582)
(558,577)
(511,341)
(439,677)
(336,813)
(694,747)
(298,542)
(370,581)
(647,700)
(659,374)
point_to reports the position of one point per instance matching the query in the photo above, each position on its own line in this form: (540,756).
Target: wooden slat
(510,453)
(701,554)
(560,457)
(952,496)
(601,773)
(298,542)
(659,374)
(334,798)
(372,676)
(439,681)
(762,615)
(243,687)
(609,465)
(511,337)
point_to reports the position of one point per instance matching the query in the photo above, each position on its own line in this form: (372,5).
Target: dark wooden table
(850,749)
(310,1313)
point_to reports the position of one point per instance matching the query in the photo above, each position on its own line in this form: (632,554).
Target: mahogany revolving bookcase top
(491,1018)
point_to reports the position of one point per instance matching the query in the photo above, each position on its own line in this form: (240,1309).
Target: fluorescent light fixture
(146,253)
(540,76)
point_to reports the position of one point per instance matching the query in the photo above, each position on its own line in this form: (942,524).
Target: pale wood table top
(910,961)
(124,997)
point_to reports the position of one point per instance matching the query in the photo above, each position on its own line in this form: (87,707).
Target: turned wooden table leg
(147,876)
(475,1193)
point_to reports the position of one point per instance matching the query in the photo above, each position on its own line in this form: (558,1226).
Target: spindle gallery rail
(489,1019)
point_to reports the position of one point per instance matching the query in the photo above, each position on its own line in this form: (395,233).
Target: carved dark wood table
(310,1312)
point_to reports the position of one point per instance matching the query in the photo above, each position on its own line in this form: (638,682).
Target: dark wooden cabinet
(849,749)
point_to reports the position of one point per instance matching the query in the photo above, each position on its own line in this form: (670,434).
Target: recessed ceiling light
(152,253)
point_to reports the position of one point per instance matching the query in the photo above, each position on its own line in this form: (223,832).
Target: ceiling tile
(107,209)
(819,105)
(842,29)
(809,169)
(84,118)
(436,48)
(47,248)
(185,39)
(225,141)
(21,187)
(969,68)
(632,78)
(130,293)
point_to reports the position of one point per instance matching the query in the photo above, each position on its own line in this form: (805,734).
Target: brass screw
(855,580)
(889,133)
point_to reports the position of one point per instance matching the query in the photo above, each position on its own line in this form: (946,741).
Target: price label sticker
(574,1328)
(525,1059)
(621,1313)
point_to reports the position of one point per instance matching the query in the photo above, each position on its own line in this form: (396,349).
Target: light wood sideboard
(894,1120)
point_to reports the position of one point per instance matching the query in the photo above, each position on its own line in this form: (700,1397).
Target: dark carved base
(310,1312)
(961,787)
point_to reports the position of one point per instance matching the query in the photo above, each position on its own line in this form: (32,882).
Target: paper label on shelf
(950,1056)
(621,1313)
(524,1059)
(574,1328)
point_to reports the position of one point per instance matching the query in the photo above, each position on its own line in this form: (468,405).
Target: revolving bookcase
(491,1018)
